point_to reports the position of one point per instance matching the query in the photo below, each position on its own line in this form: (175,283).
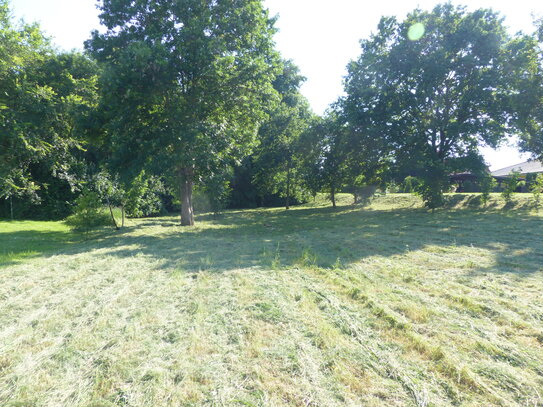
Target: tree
(311,152)
(185,84)
(510,185)
(488,184)
(44,98)
(333,169)
(526,76)
(278,154)
(426,100)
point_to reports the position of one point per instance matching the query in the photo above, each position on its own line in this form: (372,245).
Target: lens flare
(416,31)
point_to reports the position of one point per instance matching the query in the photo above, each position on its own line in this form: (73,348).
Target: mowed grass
(23,239)
(386,305)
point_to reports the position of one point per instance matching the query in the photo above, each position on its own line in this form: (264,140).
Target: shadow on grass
(325,237)
(16,245)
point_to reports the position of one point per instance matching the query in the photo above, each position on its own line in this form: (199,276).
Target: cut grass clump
(416,313)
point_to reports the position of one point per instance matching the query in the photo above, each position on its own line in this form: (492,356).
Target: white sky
(321,36)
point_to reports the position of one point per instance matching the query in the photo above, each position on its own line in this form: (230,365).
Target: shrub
(364,194)
(411,184)
(432,186)
(510,186)
(537,188)
(89,213)
(143,196)
(432,195)
(488,184)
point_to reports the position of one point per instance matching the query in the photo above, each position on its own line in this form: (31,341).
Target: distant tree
(278,157)
(334,170)
(488,184)
(427,100)
(312,150)
(185,84)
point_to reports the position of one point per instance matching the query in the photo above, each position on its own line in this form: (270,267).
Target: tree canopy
(45,99)
(278,156)
(427,101)
(526,75)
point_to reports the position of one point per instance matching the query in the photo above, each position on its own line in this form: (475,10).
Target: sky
(320,36)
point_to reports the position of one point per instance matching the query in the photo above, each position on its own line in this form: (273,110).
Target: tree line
(189,95)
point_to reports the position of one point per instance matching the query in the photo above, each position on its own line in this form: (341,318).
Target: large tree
(185,84)
(431,89)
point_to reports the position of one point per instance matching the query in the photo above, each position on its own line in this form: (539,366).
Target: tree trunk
(11,206)
(187,182)
(122,214)
(288,187)
(333,196)
(113,216)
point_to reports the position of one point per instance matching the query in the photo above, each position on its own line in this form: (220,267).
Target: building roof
(463,176)
(527,167)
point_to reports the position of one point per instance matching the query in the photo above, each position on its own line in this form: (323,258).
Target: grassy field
(387,305)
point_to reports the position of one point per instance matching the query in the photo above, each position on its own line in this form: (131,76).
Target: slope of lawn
(386,305)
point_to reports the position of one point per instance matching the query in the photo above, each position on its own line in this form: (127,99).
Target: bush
(411,184)
(364,194)
(432,186)
(510,186)
(143,198)
(488,184)
(537,188)
(432,195)
(89,213)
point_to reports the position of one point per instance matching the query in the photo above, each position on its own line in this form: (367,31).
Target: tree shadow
(21,244)
(324,237)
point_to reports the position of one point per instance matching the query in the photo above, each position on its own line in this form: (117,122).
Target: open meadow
(383,305)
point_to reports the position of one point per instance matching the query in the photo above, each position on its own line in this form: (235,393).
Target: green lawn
(24,239)
(388,305)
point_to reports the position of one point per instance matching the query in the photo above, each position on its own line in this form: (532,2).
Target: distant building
(468,182)
(464,181)
(524,169)
(528,167)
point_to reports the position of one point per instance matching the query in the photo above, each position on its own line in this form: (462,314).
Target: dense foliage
(278,157)
(45,107)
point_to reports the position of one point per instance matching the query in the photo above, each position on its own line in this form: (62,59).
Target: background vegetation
(226,118)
